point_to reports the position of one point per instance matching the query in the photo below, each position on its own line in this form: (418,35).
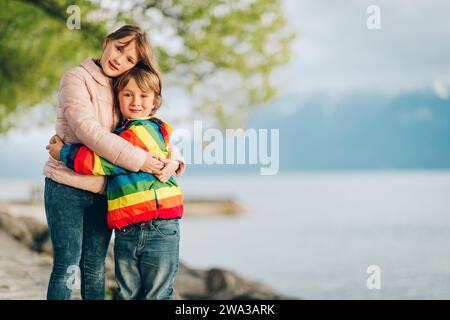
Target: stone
(26,267)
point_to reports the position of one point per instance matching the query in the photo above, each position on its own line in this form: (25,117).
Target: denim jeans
(146,259)
(80,238)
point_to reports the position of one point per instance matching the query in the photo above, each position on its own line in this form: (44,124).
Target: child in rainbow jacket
(143,211)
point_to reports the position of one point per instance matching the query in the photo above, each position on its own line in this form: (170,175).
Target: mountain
(362,131)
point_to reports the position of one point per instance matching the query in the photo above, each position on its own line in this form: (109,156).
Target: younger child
(143,211)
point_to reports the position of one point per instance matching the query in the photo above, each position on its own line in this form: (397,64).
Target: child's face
(135,103)
(117,59)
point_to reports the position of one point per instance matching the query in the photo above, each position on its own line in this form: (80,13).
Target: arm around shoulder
(76,100)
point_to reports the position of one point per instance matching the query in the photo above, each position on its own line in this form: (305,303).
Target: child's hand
(55,146)
(152,164)
(169,170)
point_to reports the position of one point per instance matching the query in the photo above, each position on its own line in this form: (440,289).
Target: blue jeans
(80,238)
(146,259)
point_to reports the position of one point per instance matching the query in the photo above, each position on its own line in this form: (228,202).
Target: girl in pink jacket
(75,207)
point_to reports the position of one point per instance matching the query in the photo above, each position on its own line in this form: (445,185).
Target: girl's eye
(119,49)
(129,61)
(144,96)
(126,95)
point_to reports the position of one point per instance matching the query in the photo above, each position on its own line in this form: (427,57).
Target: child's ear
(105,42)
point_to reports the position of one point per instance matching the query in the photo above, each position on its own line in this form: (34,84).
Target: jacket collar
(168,128)
(96,72)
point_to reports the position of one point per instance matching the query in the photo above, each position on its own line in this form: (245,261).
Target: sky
(335,54)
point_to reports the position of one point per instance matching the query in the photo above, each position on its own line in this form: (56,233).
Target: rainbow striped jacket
(132,196)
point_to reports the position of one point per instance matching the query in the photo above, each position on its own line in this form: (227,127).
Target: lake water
(314,235)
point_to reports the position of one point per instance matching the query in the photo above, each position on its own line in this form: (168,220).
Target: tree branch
(58,12)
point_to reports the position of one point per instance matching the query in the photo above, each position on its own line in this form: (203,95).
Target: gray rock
(24,274)
(190,283)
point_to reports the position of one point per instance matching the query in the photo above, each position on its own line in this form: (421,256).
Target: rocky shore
(25,264)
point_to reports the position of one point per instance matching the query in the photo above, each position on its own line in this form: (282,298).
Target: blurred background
(359,91)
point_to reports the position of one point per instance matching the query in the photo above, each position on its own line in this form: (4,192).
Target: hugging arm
(84,161)
(74,98)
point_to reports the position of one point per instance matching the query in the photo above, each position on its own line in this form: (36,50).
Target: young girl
(143,210)
(76,211)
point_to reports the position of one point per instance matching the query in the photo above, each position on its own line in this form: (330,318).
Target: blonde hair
(146,79)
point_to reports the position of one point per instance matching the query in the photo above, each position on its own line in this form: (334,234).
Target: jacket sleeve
(84,161)
(75,100)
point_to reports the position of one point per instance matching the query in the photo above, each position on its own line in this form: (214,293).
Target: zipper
(157,203)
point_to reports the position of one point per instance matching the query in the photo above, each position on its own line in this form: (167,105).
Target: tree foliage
(35,49)
(222,53)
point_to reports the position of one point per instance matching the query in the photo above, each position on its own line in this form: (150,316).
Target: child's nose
(116,61)
(136,101)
